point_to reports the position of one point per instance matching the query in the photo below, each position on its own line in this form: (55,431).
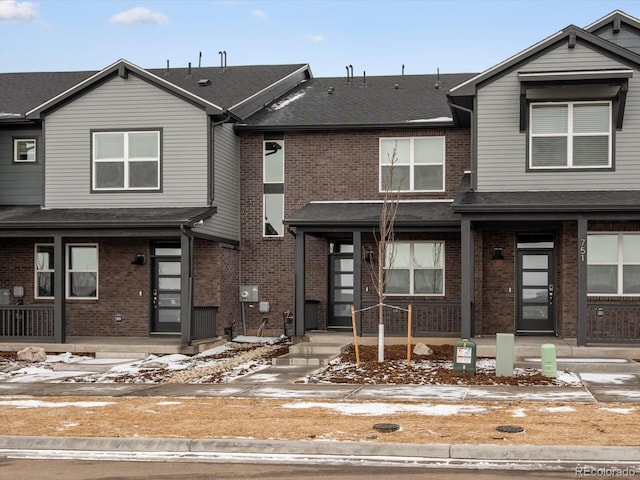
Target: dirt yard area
(291,419)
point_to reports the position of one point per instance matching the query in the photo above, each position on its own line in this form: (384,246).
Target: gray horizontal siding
(226,222)
(626,38)
(20,183)
(502,149)
(126,104)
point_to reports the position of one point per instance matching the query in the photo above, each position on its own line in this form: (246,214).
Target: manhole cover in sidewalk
(386,427)
(510,429)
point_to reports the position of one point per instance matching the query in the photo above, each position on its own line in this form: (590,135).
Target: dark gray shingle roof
(34,216)
(368,215)
(22,92)
(334,102)
(544,202)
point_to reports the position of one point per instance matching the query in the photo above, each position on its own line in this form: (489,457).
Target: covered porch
(348,230)
(100,272)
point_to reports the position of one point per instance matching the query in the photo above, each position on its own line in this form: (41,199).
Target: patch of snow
(519,413)
(288,100)
(622,411)
(608,378)
(390,408)
(42,404)
(248,339)
(427,120)
(559,409)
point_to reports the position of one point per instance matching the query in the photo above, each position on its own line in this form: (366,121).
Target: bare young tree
(384,239)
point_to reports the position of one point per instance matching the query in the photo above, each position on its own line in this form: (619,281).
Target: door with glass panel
(536,292)
(166,289)
(340,285)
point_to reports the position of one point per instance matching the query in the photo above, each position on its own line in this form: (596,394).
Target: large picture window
(613,264)
(82,271)
(416,166)
(126,160)
(44,270)
(570,135)
(414,268)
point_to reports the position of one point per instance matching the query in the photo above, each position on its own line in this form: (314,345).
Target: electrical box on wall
(248,293)
(264,307)
(5,296)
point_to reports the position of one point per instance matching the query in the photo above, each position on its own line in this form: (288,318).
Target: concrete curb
(443,452)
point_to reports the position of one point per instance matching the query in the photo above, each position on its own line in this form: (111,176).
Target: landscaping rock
(32,354)
(422,349)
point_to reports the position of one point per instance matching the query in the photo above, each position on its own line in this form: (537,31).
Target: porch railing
(203,323)
(33,322)
(428,319)
(613,323)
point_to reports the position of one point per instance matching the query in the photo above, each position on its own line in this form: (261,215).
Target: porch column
(582,282)
(467,279)
(186,281)
(300,286)
(357,278)
(59,291)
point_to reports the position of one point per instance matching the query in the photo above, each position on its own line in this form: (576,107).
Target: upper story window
(570,135)
(414,164)
(414,268)
(126,160)
(273,188)
(24,150)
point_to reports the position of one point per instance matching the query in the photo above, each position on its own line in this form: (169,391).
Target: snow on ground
(375,408)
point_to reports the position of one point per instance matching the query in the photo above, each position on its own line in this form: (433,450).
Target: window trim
(620,263)
(68,271)
(17,140)
(569,136)
(36,285)
(412,269)
(126,161)
(411,164)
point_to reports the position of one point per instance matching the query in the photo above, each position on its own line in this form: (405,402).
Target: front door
(166,290)
(340,285)
(535,292)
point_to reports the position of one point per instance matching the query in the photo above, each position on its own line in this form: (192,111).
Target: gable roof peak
(610,17)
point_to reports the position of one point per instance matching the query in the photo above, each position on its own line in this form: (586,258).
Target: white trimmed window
(416,164)
(273,188)
(126,160)
(44,271)
(24,150)
(613,264)
(414,268)
(82,271)
(570,135)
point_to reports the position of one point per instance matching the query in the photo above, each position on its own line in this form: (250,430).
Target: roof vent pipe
(351,70)
(347,67)
(403,69)
(437,85)
(223,58)
(200,60)
(189,70)
(364,77)
(167,71)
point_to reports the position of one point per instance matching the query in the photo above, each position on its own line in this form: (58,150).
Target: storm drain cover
(386,427)
(510,429)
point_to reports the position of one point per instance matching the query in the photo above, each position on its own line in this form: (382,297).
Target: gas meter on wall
(249,293)
(464,357)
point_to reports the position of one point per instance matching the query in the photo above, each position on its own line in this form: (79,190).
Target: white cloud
(258,13)
(16,11)
(139,15)
(316,38)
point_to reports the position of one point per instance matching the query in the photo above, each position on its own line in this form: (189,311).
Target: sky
(376,37)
